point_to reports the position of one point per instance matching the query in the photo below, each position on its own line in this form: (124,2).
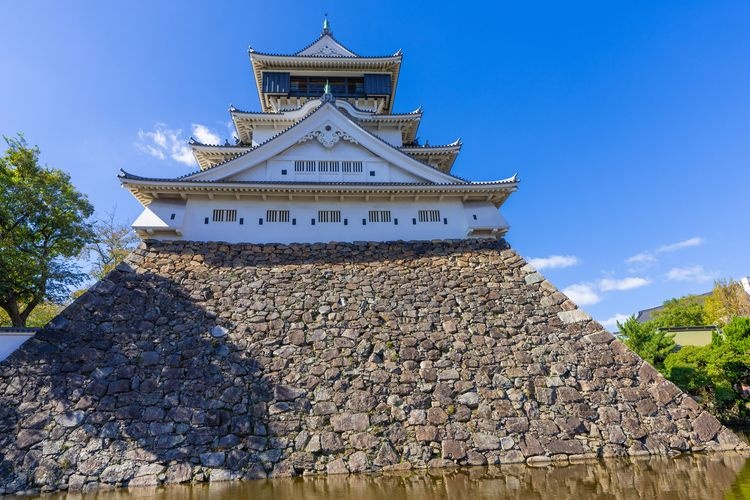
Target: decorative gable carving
(328,135)
(326,46)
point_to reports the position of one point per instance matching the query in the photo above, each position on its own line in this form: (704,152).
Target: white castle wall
(374,169)
(456,221)
(392,135)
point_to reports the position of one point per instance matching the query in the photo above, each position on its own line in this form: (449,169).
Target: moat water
(700,477)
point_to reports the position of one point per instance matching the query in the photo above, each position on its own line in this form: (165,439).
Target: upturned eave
(147,190)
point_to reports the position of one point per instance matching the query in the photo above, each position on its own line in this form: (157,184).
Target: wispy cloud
(695,274)
(642,258)
(692,242)
(554,261)
(583,294)
(611,323)
(629,283)
(589,292)
(165,143)
(650,256)
(205,135)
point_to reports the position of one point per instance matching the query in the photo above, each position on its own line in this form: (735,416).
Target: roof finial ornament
(326,26)
(327,95)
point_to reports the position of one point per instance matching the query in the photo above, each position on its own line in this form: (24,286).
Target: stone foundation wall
(206,361)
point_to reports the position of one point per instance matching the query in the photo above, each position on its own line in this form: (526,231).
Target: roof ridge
(329,35)
(127,175)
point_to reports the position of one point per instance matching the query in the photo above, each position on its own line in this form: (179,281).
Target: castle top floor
(288,81)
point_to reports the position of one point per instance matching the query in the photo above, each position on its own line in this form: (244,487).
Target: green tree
(646,340)
(716,373)
(685,311)
(114,241)
(40,316)
(43,224)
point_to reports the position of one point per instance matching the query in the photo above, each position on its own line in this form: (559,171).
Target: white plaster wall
(263,133)
(483,215)
(392,135)
(251,230)
(375,169)
(161,213)
(9,342)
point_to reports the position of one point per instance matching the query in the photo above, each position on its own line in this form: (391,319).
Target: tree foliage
(716,373)
(43,224)
(646,340)
(684,311)
(113,242)
(727,300)
(39,316)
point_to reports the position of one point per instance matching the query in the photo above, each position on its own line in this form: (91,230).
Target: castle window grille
(299,165)
(310,166)
(328,166)
(380,216)
(429,216)
(329,215)
(224,215)
(351,167)
(277,215)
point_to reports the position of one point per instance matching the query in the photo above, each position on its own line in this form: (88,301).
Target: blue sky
(627,122)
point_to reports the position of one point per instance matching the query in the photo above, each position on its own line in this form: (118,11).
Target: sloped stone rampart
(330,359)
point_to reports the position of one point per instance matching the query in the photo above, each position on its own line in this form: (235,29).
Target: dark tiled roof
(125,175)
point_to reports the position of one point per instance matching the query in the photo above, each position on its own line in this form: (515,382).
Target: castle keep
(325,160)
(361,315)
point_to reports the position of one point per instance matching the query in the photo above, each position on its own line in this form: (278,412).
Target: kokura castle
(399,330)
(326,159)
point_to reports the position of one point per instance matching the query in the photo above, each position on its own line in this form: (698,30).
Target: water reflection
(700,477)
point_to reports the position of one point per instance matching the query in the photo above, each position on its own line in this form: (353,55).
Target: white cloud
(163,142)
(649,257)
(641,258)
(629,283)
(695,274)
(583,294)
(554,261)
(205,135)
(692,242)
(611,323)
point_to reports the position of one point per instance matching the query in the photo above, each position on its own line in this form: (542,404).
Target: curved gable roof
(297,132)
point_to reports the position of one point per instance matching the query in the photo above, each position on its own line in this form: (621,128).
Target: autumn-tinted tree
(727,300)
(113,242)
(43,225)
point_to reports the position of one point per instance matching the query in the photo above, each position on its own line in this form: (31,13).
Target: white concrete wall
(459,221)
(10,341)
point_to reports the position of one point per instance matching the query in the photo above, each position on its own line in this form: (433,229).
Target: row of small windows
(326,216)
(328,166)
